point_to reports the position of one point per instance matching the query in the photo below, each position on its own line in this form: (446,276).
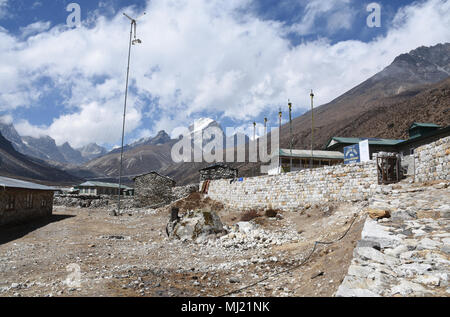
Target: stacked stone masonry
(28,205)
(433,161)
(289,191)
(153,189)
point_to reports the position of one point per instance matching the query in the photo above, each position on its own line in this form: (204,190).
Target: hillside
(136,161)
(405,78)
(392,116)
(414,88)
(17,165)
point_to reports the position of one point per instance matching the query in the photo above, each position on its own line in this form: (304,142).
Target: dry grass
(196,201)
(250,215)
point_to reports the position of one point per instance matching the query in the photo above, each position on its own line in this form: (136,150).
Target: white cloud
(92,122)
(196,57)
(338,13)
(34,28)
(24,128)
(3,8)
(6,119)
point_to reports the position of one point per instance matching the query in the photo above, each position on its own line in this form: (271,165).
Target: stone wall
(180,192)
(433,161)
(292,190)
(152,190)
(41,205)
(84,201)
(218,172)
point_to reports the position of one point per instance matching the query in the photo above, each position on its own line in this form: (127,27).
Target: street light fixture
(132,42)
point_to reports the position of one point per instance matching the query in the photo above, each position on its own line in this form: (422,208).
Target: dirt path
(131,256)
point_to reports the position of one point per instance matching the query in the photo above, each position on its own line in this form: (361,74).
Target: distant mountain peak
(161,138)
(201,124)
(92,151)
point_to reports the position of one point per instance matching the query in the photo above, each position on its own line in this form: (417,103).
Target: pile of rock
(81,201)
(407,254)
(181,192)
(196,226)
(250,235)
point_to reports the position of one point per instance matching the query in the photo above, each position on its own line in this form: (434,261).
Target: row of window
(28,202)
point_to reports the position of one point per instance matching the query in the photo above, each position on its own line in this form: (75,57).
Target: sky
(235,61)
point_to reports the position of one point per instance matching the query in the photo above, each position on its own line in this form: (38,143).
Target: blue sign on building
(351,154)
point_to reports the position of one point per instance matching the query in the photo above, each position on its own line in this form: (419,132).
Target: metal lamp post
(280,115)
(312,128)
(290,133)
(132,42)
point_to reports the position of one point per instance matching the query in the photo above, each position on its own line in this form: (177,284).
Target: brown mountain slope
(392,116)
(382,106)
(136,161)
(16,165)
(403,79)
(388,117)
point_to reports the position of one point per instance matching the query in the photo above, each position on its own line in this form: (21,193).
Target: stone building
(99,188)
(23,201)
(153,189)
(421,134)
(218,171)
(375,144)
(302,159)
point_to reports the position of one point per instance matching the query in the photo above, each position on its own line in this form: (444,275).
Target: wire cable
(316,243)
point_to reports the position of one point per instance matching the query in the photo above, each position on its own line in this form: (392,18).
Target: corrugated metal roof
(15,183)
(101,184)
(216,165)
(424,125)
(153,172)
(316,154)
(372,141)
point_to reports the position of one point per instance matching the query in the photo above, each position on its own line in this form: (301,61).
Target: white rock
(428,244)
(245,227)
(396,251)
(358,270)
(375,255)
(375,232)
(406,288)
(428,280)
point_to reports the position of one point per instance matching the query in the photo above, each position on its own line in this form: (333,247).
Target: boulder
(375,232)
(196,225)
(378,213)
(245,227)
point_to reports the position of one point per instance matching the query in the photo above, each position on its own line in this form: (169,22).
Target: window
(11,202)
(43,203)
(29,201)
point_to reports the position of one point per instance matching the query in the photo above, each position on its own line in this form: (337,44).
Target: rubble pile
(196,225)
(407,254)
(81,201)
(181,192)
(249,235)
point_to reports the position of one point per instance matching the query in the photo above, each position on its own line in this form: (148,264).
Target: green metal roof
(424,125)
(316,154)
(101,184)
(372,141)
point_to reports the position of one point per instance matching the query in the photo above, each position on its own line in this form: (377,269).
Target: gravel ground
(87,252)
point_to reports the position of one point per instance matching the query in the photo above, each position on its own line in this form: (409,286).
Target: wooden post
(174,214)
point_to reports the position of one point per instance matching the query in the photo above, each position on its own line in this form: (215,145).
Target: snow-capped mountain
(45,148)
(92,151)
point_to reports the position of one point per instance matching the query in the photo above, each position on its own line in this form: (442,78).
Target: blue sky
(233,61)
